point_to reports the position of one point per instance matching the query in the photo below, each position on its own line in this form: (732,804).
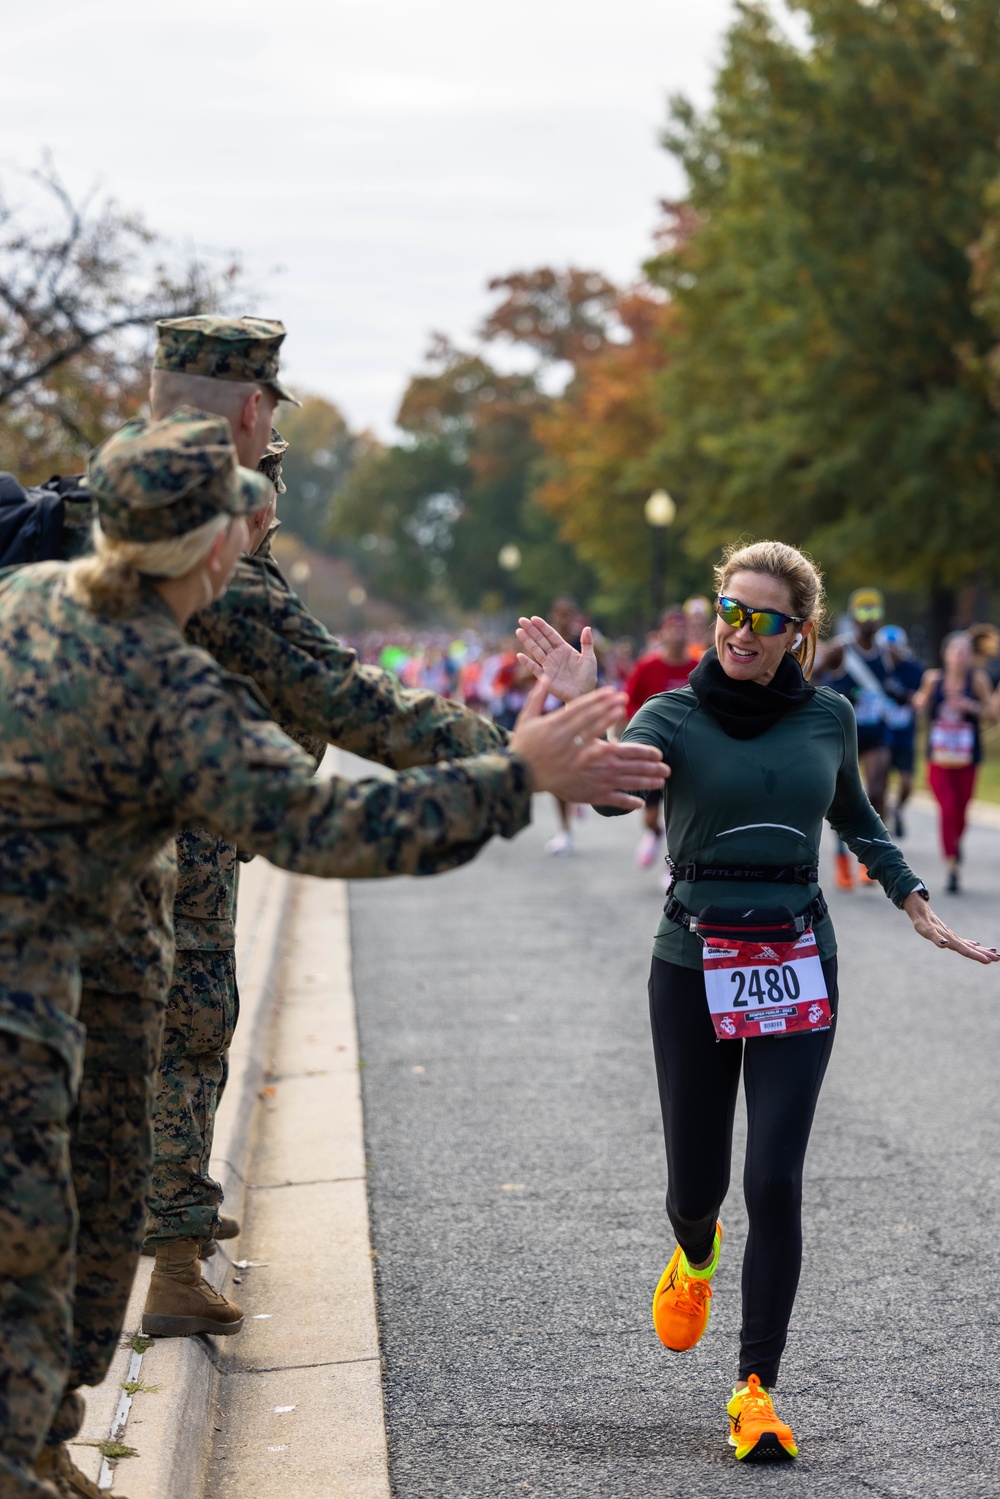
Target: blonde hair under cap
(163,492)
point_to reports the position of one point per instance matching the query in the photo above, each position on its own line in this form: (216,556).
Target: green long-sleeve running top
(762,801)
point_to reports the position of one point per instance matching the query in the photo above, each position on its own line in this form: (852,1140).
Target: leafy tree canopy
(433,513)
(826,380)
(322,450)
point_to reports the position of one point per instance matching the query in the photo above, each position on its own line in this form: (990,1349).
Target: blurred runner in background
(903,681)
(986,650)
(669,665)
(853,665)
(957,699)
(700,617)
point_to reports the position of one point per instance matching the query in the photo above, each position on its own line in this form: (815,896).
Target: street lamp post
(660,512)
(509,558)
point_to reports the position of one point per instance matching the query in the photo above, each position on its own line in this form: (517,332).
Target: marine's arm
(225,766)
(315,686)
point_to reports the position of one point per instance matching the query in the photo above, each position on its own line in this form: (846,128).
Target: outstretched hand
(567,756)
(570,673)
(927,924)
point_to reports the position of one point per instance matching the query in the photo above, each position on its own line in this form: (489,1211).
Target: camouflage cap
(223,348)
(270,464)
(153,481)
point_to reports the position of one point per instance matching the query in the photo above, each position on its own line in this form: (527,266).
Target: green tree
(432,513)
(826,381)
(598,469)
(322,450)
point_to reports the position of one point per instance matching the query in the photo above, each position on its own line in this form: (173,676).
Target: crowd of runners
(165,698)
(908,713)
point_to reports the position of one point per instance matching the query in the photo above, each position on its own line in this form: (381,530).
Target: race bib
(952,743)
(765,989)
(898,716)
(869,708)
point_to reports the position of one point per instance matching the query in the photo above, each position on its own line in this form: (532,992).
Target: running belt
(760,874)
(673,910)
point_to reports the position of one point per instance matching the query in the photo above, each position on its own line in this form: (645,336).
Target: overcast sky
(374,162)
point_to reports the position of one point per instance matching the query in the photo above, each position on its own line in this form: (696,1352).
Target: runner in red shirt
(668,666)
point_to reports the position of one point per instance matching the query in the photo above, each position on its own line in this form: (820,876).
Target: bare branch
(78,278)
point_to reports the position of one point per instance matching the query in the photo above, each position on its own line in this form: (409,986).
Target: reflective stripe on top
(748,827)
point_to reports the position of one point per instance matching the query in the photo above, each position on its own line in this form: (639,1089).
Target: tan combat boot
(56,1465)
(180,1301)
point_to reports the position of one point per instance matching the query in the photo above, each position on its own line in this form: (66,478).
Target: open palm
(570,672)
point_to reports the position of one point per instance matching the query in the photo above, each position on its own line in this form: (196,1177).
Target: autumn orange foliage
(597,440)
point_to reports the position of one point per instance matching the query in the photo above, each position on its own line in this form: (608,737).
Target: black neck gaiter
(746,709)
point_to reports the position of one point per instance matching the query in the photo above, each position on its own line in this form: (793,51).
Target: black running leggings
(698,1079)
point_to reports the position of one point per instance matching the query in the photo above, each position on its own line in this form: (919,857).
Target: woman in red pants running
(957,700)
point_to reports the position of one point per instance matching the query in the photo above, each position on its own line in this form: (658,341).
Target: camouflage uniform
(115,734)
(201,1017)
(122,1004)
(319,693)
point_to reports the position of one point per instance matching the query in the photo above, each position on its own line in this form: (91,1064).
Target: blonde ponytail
(109,582)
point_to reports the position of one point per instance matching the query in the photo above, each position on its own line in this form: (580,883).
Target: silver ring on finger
(579,741)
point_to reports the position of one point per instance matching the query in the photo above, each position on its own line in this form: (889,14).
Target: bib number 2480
(763,986)
(764,989)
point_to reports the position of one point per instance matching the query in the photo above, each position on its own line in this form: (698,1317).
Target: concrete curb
(169,1423)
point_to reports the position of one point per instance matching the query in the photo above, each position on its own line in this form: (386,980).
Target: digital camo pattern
(315,686)
(205,906)
(223,348)
(111,1151)
(155,480)
(136,956)
(260,629)
(114,734)
(37,1233)
(201,1018)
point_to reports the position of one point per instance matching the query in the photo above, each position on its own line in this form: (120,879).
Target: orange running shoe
(843,873)
(681,1299)
(865,877)
(754,1428)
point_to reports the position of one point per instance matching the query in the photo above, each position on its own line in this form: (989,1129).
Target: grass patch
(111,1450)
(139,1344)
(988,781)
(136,1387)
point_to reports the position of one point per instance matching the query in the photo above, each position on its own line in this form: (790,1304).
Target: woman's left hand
(928,925)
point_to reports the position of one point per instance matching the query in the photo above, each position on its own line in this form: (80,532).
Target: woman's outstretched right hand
(567,755)
(927,924)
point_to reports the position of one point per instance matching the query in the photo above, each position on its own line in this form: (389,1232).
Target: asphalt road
(517,1181)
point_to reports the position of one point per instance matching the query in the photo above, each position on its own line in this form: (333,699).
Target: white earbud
(796,642)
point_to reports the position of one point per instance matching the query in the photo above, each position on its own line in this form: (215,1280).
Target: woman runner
(957,699)
(758,759)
